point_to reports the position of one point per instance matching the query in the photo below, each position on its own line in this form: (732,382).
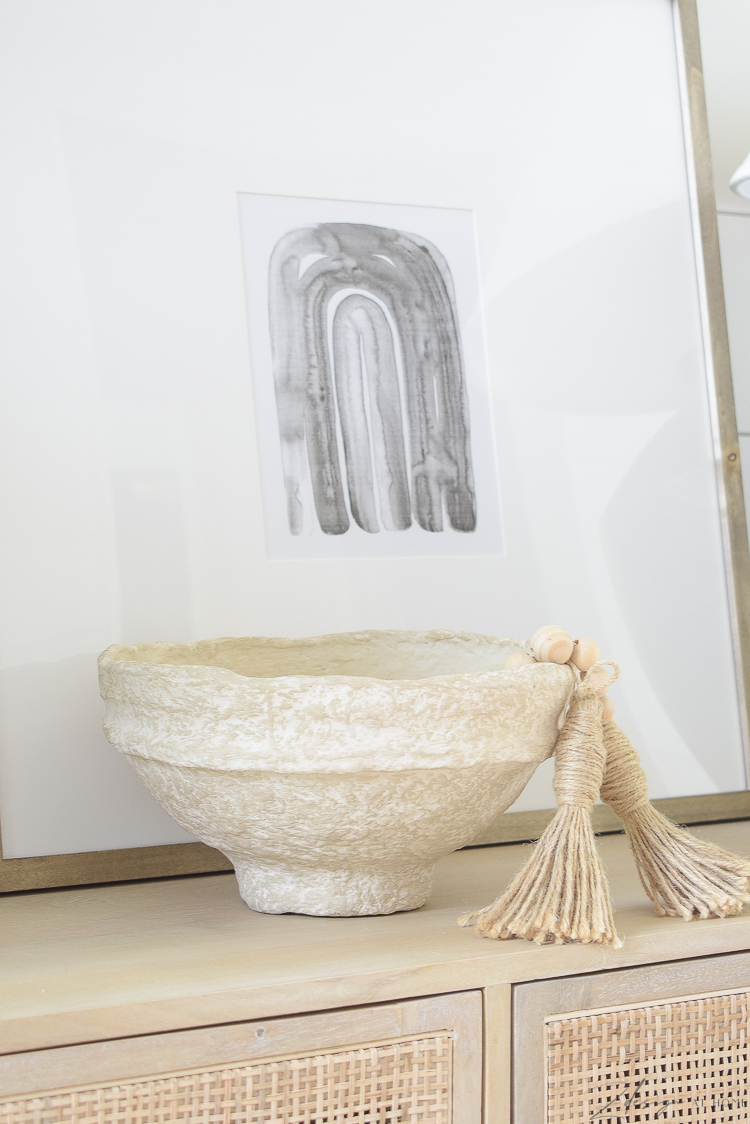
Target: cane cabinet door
(663,1042)
(416,1062)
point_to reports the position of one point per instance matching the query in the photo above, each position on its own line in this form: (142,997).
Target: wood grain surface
(87,964)
(460,1015)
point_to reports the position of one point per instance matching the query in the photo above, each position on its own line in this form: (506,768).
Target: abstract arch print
(374,420)
(365,344)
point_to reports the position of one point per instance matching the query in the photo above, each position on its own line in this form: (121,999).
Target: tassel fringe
(562,894)
(683,875)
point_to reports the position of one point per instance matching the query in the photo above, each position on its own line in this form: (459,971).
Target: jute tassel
(562,893)
(683,876)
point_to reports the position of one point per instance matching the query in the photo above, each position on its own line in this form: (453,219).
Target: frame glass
(575,136)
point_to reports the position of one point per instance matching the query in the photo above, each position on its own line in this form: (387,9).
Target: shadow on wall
(660,531)
(64,787)
(155,600)
(666,487)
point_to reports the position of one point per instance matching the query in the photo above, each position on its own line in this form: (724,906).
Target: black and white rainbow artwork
(379,410)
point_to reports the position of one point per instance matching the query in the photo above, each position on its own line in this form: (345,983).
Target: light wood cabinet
(419,1061)
(171,1002)
(663,1042)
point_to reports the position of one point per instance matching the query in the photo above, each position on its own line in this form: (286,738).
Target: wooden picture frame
(172,859)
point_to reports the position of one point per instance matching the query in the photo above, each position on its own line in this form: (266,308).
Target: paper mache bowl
(333,771)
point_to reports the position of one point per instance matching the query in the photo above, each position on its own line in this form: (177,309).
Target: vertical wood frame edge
(708,263)
(498,1069)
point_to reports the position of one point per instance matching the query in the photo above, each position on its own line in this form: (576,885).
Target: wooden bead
(552,644)
(600,680)
(585,653)
(518,659)
(608,709)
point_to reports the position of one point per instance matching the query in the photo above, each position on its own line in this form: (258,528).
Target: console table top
(95,962)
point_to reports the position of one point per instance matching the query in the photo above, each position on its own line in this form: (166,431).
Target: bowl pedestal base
(331,893)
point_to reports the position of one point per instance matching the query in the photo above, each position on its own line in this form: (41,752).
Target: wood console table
(171,1000)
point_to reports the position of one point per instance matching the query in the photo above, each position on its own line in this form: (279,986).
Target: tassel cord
(562,894)
(684,876)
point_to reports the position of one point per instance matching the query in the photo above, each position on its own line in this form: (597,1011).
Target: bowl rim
(111,657)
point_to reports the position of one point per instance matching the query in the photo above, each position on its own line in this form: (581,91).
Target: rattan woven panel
(682,1060)
(405,1082)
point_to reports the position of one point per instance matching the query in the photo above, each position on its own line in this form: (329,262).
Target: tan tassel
(684,876)
(562,893)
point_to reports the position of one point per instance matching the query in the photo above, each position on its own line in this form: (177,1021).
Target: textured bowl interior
(379,655)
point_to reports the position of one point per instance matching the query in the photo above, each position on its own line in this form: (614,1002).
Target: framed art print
(328,317)
(408,456)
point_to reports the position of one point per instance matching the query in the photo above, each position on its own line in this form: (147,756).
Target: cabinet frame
(125,1059)
(535,1002)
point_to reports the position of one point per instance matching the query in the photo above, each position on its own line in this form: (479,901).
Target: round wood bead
(518,659)
(608,708)
(552,644)
(585,653)
(600,680)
